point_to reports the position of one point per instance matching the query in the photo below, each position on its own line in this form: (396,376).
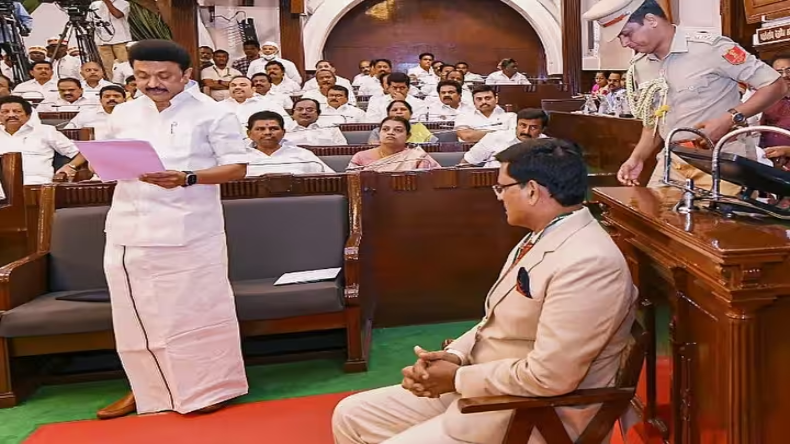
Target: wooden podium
(727,283)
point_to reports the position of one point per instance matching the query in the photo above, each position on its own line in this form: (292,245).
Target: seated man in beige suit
(558,319)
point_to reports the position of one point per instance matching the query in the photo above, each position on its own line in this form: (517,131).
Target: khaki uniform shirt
(703,71)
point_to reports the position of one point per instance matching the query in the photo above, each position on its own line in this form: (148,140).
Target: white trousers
(393,415)
(175,324)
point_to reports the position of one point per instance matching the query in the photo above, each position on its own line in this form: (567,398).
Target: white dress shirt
(289,158)
(287,87)
(31,89)
(93,92)
(214,73)
(283,100)
(316,94)
(68,66)
(313,84)
(118,29)
(499,120)
(253,105)
(121,71)
(38,144)
(499,78)
(439,112)
(259,65)
(192,134)
(63,106)
(424,76)
(314,135)
(343,114)
(7,71)
(490,145)
(94,117)
(377,108)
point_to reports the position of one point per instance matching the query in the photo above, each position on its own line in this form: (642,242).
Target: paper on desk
(121,159)
(303,277)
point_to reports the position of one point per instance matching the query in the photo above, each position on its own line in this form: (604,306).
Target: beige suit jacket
(569,335)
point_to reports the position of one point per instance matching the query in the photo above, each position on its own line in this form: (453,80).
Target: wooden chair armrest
(351,269)
(23,280)
(579,397)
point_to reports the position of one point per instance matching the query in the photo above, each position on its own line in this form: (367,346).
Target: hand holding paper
(121,159)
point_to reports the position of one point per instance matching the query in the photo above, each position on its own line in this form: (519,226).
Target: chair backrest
(76,252)
(78,134)
(633,356)
(337,163)
(448,159)
(356,137)
(271,236)
(444,137)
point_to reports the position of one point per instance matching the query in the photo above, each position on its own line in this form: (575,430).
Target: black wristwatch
(190,179)
(737,117)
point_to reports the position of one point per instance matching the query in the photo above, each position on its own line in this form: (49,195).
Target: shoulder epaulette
(704,37)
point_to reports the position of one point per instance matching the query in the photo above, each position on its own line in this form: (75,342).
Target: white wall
(224,34)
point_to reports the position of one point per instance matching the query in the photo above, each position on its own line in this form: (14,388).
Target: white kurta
(166,261)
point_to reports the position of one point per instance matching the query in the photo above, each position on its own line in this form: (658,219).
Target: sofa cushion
(47,315)
(77,250)
(271,236)
(260,299)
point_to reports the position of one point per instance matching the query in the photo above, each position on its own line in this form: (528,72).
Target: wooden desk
(728,287)
(529,96)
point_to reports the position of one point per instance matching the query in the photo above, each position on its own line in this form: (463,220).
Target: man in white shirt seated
(469,76)
(271,154)
(532,122)
(424,71)
(325,65)
(398,89)
(428,85)
(269,53)
(42,86)
(456,76)
(92,80)
(216,77)
(509,75)
(371,86)
(262,84)
(96,116)
(337,110)
(244,102)
(364,72)
(280,84)
(306,130)
(71,98)
(37,143)
(487,117)
(449,104)
(325,80)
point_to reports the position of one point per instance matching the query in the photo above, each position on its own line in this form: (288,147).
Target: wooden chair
(540,413)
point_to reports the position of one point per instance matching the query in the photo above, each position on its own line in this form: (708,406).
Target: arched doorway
(478,32)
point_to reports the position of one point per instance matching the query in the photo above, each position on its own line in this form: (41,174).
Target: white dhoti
(175,324)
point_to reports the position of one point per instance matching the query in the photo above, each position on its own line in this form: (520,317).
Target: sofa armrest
(351,269)
(577,398)
(23,280)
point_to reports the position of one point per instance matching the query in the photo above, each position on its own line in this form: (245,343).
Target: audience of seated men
(418,132)
(262,84)
(364,72)
(320,66)
(393,152)
(337,109)
(466,93)
(271,154)
(244,102)
(325,79)
(530,124)
(71,98)
(372,86)
(38,143)
(92,80)
(305,129)
(217,76)
(450,104)
(507,75)
(96,116)
(397,89)
(280,84)
(42,86)
(487,117)
(270,52)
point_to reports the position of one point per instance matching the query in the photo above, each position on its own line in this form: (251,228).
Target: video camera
(75,9)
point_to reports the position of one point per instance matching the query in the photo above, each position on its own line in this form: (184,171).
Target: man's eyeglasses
(784,72)
(499,189)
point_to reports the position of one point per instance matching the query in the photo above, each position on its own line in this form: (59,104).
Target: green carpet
(391,351)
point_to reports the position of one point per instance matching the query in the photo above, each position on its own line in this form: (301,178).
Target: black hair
(483,88)
(160,51)
(405,122)
(407,104)
(377,61)
(251,43)
(780,56)
(458,71)
(383,76)
(399,77)
(533,114)
(70,79)
(461,63)
(7,80)
(555,164)
(452,83)
(130,79)
(275,62)
(26,106)
(221,51)
(340,88)
(115,88)
(508,62)
(239,77)
(648,7)
(307,99)
(324,61)
(43,62)
(265,115)
(427,54)
(208,47)
(261,74)
(325,70)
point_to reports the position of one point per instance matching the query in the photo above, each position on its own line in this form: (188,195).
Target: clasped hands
(432,375)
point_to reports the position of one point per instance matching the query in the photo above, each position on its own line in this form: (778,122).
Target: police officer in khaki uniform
(684,80)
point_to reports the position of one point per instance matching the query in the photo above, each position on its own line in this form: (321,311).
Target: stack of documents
(304,277)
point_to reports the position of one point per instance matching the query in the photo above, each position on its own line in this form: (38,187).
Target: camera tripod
(11,43)
(82,31)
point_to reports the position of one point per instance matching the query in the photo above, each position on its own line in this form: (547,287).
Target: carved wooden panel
(480,32)
(770,9)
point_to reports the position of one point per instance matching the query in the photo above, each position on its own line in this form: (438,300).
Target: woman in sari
(393,154)
(402,108)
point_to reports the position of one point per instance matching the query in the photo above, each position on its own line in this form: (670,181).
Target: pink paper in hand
(121,159)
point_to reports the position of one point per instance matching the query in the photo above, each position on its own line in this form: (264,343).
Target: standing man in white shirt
(509,75)
(37,143)
(487,117)
(174,315)
(97,117)
(531,123)
(216,77)
(111,39)
(305,129)
(271,154)
(269,53)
